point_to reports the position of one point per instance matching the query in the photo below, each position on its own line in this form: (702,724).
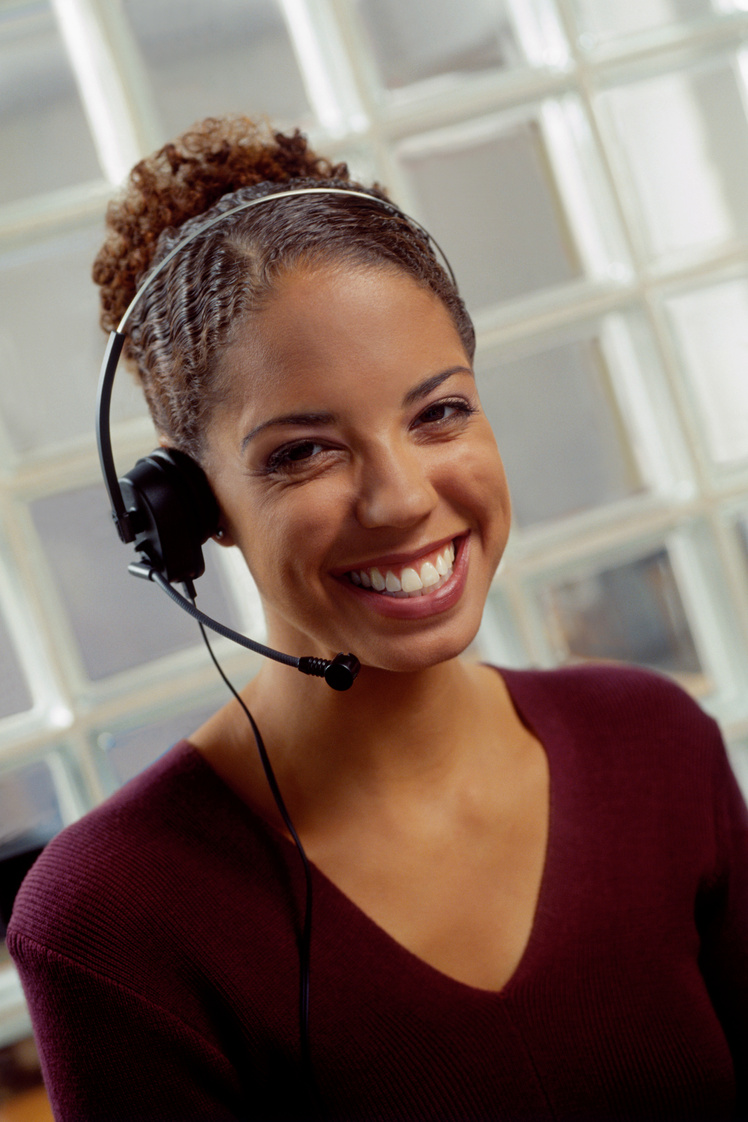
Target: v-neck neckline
(513,681)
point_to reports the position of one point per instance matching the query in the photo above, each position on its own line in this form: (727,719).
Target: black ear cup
(172,512)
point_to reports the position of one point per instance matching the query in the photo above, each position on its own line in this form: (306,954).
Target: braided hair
(190,314)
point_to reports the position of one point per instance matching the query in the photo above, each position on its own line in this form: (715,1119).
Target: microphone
(340,672)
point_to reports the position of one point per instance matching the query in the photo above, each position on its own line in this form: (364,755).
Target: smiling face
(356,471)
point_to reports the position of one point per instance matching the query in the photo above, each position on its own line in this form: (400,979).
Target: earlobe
(222,537)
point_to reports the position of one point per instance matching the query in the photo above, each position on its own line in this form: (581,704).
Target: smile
(397,574)
(421,577)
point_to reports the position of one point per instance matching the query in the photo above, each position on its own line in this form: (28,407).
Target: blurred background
(583,163)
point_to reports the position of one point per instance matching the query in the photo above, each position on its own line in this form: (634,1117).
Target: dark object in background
(13,869)
(19,1069)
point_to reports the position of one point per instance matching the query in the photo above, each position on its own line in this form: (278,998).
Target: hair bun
(183,180)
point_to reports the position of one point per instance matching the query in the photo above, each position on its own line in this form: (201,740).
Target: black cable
(305,943)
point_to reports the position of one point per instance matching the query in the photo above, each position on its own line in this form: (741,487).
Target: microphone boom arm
(339,672)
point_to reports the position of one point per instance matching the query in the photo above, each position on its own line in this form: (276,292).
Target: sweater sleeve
(723,918)
(110,1053)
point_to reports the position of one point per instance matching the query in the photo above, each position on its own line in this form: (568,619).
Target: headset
(164,505)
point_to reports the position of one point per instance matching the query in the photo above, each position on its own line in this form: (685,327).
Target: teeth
(430,573)
(391,583)
(411,582)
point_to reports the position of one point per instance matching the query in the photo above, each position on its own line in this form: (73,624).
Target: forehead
(338,325)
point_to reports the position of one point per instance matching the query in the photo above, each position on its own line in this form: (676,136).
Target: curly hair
(189,314)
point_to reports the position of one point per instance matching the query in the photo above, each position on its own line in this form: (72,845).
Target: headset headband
(117,337)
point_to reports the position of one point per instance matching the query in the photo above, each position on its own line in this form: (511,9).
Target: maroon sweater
(157,943)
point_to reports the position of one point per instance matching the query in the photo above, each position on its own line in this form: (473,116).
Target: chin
(414,654)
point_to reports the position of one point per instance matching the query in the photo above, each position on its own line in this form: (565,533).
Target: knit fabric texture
(157,941)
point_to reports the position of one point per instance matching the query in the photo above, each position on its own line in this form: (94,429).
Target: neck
(393,740)
(389,728)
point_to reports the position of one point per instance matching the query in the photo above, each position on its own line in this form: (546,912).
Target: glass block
(127,751)
(492,204)
(498,641)
(224,57)
(738,753)
(631,612)
(15,696)
(119,621)
(30,812)
(423,38)
(602,21)
(742,528)
(51,345)
(559,430)
(710,326)
(44,137)
(679,142)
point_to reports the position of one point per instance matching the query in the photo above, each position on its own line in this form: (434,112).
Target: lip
(391,559)
(416,607)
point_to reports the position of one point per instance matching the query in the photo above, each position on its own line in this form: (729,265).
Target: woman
(530,888)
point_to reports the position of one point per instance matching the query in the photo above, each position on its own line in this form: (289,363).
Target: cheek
(288,541)
(498,487)
(475,477)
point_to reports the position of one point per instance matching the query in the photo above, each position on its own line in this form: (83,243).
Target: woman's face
(356,471)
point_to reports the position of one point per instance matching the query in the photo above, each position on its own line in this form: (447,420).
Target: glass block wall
(584,164)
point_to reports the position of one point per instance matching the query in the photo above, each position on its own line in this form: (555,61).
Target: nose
(395,488)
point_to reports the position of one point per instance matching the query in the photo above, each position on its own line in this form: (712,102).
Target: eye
(445,412)
(289,456)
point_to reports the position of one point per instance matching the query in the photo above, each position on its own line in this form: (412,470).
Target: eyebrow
(423,389)
(300,419)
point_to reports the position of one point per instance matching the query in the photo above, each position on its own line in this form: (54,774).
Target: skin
(419,792)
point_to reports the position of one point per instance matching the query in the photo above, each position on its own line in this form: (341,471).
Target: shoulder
(637,745)
(149,808)
(623,725)
(162,892)
(123,869)
(631,696)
